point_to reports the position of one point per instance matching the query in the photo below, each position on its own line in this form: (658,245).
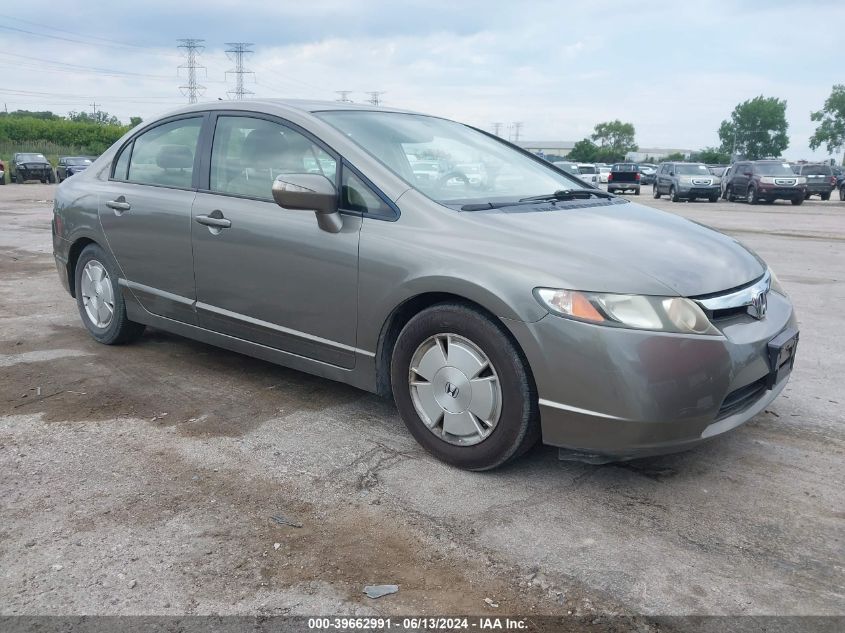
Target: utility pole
(236,52)
(375,97)
(516,126)
(497,127)
(191,49)
(344,96)
(94,110)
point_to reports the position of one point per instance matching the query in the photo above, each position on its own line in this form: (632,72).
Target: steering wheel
(454,174)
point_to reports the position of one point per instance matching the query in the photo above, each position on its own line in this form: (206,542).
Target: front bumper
(622,393)
(699,192)
(784,193)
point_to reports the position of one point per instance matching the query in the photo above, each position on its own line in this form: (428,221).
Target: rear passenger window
(165,155)
(356,195)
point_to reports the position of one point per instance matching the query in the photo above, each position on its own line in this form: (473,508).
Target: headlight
(685,180)
(776,285)
(639,312)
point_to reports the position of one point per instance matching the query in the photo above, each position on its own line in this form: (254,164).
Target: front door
(145,212)
(263,273)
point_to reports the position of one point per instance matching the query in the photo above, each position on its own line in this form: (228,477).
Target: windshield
(32,158)
(586,169)
(78,161)
(692,170)
(774,169)
(571,168)
(470,166)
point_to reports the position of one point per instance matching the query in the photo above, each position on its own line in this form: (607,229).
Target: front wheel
(842,194)
(463,388)
(751,196)
(673,194)
(98,298)
(655,192)
(713,198)
(798,201)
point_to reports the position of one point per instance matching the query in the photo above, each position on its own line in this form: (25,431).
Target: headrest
(175,157)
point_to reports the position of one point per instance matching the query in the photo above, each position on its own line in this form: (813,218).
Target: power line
(58,37)
(375,97)
(192,48)
(236,52)
(83,35)
(344,96)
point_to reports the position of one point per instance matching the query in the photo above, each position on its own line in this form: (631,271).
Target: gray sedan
(496,312)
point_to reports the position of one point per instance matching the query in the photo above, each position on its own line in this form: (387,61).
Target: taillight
(609,177)
(833,180)
(637,176)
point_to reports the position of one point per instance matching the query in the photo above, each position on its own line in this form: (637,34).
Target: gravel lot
(143,479)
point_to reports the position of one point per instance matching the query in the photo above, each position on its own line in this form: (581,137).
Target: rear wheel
(637,191)
(463,388)
(98,298)
(842,193)
(825,196)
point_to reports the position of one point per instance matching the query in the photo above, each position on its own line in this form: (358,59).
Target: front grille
(742,398)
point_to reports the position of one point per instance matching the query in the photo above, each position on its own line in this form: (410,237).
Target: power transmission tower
(236,52)
(191,49)
(344,96)
(516,127)
(94,109)
(497,127)
(375,97)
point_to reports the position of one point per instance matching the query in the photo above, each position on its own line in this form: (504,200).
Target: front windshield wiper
(569,194)
(560,195)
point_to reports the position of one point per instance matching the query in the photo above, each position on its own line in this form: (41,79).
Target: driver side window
(248,153)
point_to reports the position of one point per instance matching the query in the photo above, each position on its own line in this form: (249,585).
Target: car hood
(621,247)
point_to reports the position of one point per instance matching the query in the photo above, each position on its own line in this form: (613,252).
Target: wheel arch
(74,252)
(409,308)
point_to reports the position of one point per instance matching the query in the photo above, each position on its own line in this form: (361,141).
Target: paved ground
(143,479)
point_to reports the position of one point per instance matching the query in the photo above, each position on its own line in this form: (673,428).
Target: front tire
(99,300)
(713,198)
(463,388)
(673,194)
(798,201)
(655,192)
(751,196)
(842,194)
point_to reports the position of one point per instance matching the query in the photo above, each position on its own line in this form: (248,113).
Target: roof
(301,105)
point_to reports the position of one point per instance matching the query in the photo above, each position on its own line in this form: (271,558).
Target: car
(530,308)
(842,191)
(427,170)
(839,172)
(648,174)
(2,173)
(717,170)
(624,177)
(820,179)
(589,174)
(686,181)
(31,166)
(70,165)
(604,172)
(568,167)
(764,180)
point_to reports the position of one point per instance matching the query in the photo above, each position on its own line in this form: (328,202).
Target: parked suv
(820,180)
(766,180)
(70,165)
(29,166)
(686,181)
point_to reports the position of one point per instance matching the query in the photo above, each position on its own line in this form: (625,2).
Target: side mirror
(747,173)
(309,192)
(671,173)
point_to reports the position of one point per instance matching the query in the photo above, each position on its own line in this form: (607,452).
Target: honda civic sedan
(496,313)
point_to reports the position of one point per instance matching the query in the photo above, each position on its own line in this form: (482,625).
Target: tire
(807,196)
(751,195)
(825,196)
(655,192)
(713,198)
(516,415)
(673,194)
(798,201)
(117,328)
(729,192)
(637,191)
(842,194)
(51,178)
(19,179)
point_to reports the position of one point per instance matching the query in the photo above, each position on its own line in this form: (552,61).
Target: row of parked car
(26,166)
(751,181)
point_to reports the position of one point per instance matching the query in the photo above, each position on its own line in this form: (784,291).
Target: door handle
(119,205)
(217,223)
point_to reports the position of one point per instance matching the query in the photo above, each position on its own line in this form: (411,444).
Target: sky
(673,69)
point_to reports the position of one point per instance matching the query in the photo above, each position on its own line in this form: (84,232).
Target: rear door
(263,273)
(145,212)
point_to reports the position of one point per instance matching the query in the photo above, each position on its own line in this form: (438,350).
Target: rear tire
(825,196)
(517,421)
(102,298)
(637,191)
(842,194)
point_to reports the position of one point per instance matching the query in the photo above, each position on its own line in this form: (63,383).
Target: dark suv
(764,180)
(31,166)
(820,179)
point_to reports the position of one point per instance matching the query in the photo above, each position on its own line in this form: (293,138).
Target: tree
(712,156)
(831,120)
(584,151)
(135,120)
(674,157)
(615,139)
(756,129)
(101,117)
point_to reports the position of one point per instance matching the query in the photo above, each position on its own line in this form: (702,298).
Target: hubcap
(750,195)
(455,389)
(97,294)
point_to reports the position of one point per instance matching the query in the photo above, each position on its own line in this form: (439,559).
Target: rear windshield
(774,169)
(818,170)
(625,167)
(692,170)
(586,169)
